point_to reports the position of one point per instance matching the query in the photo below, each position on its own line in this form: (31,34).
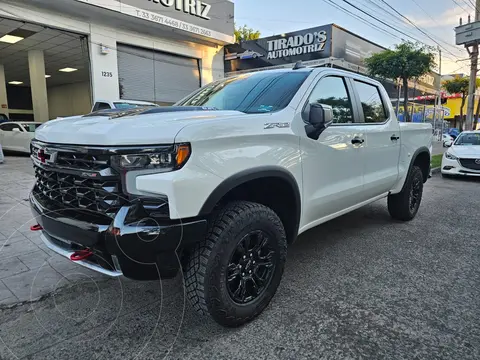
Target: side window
(7,127)
(372,104)
(103,106)
(332,91)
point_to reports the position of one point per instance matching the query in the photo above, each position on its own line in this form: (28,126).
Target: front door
(333,164)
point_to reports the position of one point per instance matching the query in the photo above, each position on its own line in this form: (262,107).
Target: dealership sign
(306,45)
(297,45)
(193,16)
(192,7)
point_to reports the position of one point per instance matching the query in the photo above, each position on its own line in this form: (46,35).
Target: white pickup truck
(220,184)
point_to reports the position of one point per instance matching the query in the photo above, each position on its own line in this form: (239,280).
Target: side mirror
(448,143)
(16,129)
(319,118)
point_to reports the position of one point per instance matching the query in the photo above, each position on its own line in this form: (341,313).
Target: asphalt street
(359,287)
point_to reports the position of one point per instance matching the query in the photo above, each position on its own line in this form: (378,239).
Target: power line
(460,6)
(471,2)
(338,7)
(428,14)
(418,28)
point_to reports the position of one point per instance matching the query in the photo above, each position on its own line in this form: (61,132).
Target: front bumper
(454,168)
(131,244)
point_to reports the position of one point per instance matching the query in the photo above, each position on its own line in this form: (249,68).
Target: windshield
(125,105)
(250,93)
(31,127)
(468,139)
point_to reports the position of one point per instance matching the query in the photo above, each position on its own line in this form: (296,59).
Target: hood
(465,151)
(114,129)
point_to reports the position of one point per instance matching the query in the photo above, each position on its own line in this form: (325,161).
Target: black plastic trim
(252,174)
(419,151)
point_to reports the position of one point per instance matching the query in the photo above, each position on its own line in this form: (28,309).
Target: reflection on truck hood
(159,128)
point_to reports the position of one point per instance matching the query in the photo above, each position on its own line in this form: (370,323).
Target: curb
(435,170)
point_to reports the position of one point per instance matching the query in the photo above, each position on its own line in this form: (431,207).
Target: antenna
(299,65)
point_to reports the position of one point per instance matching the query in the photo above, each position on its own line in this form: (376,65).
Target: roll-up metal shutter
(149,75)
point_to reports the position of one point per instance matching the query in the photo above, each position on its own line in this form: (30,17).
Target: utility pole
(473,75)
(438,98)
(440,89)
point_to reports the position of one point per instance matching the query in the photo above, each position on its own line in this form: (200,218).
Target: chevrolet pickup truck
(218,186)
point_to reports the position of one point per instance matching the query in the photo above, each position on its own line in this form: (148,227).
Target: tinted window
(9,127)
(372,105)
(332,91)
(260,92)
(102,106)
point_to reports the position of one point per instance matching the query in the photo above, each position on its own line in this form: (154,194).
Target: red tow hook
(36,227)
(81,255)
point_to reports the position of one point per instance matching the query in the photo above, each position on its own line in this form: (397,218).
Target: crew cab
(220,184)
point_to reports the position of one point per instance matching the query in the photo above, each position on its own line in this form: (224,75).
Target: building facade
(58,57)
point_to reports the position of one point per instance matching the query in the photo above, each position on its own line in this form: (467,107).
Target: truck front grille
(72,178)
(470,164)
(73,191)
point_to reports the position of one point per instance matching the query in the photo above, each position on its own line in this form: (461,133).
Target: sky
(437,18)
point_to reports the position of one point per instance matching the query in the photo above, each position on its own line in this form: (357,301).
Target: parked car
(16,136)
(447,140)
(226,179)
(120,104)
(463,156)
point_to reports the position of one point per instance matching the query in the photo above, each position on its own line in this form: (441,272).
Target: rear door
(333,164)
(382,138)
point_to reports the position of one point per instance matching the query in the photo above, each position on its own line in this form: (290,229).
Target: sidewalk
(28,269)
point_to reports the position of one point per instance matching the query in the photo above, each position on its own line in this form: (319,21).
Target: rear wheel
(404,205)
(234,273)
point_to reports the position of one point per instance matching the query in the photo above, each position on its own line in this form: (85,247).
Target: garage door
(155,76)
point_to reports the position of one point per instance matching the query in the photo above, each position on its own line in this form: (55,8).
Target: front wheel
(404,205)
(234,273)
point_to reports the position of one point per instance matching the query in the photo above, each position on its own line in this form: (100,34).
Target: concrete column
(3,92)
(36,64)
(104,66)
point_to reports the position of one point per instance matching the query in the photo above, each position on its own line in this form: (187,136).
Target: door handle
(394,137)
(357,140)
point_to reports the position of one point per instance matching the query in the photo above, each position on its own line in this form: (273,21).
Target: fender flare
(419,151)
(252,174)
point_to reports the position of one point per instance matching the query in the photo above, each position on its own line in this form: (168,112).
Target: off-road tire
(399,204)
(205,270)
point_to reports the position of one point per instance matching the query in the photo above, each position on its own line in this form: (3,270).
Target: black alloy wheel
(415,193)
(251,267)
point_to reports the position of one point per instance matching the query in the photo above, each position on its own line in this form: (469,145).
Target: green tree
(244,33)
(459,85)
(406,61)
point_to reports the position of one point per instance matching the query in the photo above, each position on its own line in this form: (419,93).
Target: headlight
(450,156)
(161,160)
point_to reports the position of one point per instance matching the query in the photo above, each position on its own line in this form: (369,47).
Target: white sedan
(447,140)
(16,136)
(463,156)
